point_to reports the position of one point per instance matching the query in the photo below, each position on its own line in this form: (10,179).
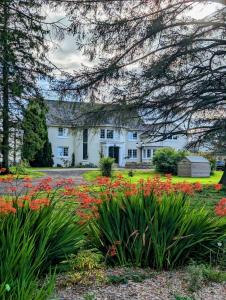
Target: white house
(70,137)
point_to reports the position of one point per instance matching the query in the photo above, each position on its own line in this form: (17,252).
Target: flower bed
(38,230)
(150,223)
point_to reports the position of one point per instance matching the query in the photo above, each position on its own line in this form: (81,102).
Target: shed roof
(197,159)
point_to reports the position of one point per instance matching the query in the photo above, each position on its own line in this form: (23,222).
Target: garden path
(55,174)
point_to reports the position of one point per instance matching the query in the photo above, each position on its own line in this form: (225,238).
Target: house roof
(67,113)
(197,159)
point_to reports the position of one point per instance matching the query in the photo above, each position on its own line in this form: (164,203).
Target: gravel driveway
(56,174)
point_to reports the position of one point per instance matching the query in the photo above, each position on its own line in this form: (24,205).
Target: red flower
(39,203)
(6,207)
(220,208)
(218,187)
(198,187)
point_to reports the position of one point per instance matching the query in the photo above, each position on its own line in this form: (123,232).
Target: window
(132,136)
(102,133)
(106,133)
(62,132)
(132,153)
(110,134)
(62,151)
(147,153)
(172,137)
(85,144)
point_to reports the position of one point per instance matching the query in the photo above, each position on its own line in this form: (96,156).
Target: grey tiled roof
(67,113)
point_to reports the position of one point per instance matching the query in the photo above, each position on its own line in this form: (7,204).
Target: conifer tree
(23,49)
(36,148)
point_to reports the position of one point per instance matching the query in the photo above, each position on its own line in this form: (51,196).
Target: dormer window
(62,132)
(107,133)
(110,134)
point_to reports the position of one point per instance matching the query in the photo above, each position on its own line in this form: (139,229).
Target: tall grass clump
(37,233)
(156,231)
(106,165)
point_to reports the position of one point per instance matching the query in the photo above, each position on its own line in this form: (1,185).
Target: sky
(64,54)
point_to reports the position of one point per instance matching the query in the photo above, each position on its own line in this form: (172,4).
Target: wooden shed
(193,166)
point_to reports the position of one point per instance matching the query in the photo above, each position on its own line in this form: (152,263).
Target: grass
(33,173)
(145,174)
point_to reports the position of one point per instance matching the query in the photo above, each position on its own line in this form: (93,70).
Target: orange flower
(198,187)
(39,203)
(112,251)
(220,208)
(6,207)
(218,187)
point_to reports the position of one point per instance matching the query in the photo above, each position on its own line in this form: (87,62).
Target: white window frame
(132,136)
(104,133)
(61,151)
(133,154)
(145,153)
(110,130)
(64,132)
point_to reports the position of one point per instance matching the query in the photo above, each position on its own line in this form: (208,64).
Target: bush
(166,159)
(145,228)
(35,236)
(106,164)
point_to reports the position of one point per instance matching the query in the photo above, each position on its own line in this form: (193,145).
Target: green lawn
(145,174)
(31,172)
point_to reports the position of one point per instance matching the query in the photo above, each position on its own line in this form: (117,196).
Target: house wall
(98,145)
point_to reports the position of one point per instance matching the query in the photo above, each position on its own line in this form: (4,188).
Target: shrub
(152,224)
(199,274)
(36,235)
(131,173)
(106,164)
(166,159)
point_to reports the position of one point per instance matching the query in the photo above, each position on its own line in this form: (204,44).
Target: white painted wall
(98,145)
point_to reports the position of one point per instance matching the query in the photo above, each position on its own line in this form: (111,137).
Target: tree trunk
(223,178)
(5,91)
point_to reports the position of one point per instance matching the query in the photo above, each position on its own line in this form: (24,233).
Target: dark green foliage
(135,275)
(23,61)
(34,128)
(145,231)
(106,164)
(166,159)
(130,173)
(73,160)
(36,147)
(44,157)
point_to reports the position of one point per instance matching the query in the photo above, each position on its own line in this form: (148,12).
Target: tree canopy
(23,48)
(153,56)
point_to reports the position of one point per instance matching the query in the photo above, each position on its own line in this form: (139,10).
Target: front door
(114,153)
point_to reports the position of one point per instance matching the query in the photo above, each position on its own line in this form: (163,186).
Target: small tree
(44,157)
(166,160)
(106,164)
